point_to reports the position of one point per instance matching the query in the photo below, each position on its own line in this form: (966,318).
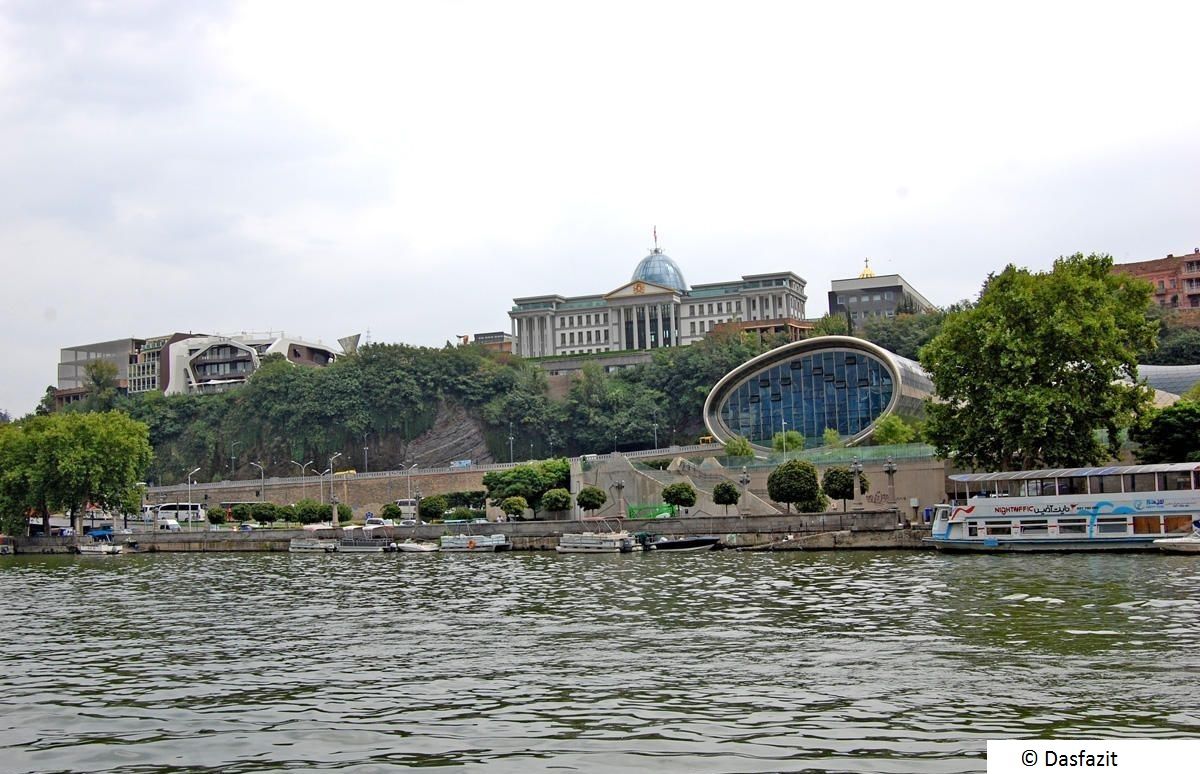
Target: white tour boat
(1070,509)
(611,542)
(312,546)
(475,543)
(100,547)
(1182,545)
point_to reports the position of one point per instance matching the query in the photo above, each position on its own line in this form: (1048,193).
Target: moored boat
(651,542)
(619,542)
(361,545)
(312,546)
(1182,545)
(1121,508)
(475,543)
(416,547)
(99,547)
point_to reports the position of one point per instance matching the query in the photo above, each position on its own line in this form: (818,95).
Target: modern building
(838,382)
(870,295)
(1176,279)
(181,362)
(655,309)
(496,341)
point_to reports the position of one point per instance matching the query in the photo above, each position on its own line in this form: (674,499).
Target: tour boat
(413,546)
(99,547)
(1182,545)
(617,542)
(475,543)
(1120,508)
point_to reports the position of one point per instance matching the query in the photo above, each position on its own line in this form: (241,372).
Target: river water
(715,662)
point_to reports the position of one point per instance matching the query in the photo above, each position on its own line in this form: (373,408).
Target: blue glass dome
(661,270)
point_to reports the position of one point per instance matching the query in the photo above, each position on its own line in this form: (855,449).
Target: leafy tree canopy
(681,494)
(795,483)
(1171,434)
(791,441)
(590,498)
(893,429)
(725,493)
(556,500)
(738,447)
(514,506)
(1026,377)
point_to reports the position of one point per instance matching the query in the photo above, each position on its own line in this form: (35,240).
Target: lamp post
(510,443)
(233,457)
(333,520)
(889,467)
(320,485)
(303,480)
(408,476)
(856,469)
(366,468)
(189,477)
(655,426)
(262,481)
(620,486)
(744,480)
(784,421)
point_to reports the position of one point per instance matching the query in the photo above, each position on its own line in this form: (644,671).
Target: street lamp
(320,485)
(510,443)
(856,469)
(655,426)
(262,481)
(889,467)
(332,501)
(189,477)
(303,480)
(620,487)
(744,480)
(233,457)
(366,468)
(408,476)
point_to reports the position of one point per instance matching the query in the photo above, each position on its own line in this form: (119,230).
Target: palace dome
(661,270)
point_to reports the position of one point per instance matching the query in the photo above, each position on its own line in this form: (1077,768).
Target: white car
(410,523)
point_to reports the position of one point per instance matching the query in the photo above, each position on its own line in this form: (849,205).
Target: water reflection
(697,662)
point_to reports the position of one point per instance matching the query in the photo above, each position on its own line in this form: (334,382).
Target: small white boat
(475,543)
(1182,545)
(100,548)
(312,546)
(596,543)
(412,546)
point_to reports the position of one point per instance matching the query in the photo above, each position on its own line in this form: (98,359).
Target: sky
(406,169)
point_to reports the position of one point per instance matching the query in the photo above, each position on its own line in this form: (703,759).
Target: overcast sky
(335,168)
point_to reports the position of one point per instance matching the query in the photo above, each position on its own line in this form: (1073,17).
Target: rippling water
(717,662)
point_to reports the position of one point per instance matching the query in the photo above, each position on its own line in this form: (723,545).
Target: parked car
(410,523)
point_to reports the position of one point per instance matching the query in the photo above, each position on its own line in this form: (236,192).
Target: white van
(169,525)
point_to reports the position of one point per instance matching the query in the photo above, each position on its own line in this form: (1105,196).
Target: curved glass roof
(661,270)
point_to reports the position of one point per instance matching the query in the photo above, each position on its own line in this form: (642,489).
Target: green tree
(100,381)
(310,511)
(1026,377)
(267,513)
(1171,434)
(68,461)
(682,494)
(514,506)
(838,483)
(791,441)
(344,514)
(391,511)
(433,507)
(47,404)
(725,493)
(795,483)
(831,438)
(892,430)
(832,325)
(216,516)
(556,500)
(738,447)
(591,498)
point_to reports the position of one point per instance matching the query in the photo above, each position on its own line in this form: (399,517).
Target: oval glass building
(830,381)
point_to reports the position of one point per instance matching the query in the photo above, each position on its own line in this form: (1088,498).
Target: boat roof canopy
(1116,470)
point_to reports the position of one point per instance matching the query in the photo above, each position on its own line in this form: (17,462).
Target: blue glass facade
(839,388)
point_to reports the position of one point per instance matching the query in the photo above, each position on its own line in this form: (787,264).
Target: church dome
(661,270)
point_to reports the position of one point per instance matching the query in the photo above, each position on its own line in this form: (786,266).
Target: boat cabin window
(1035,527)
(1106,484)
(1140,482)
(999,527)
(1146,525)
(1112,525)
(1072,526)
(1036,487)
(1177,524)
(1177,480)
(972,529)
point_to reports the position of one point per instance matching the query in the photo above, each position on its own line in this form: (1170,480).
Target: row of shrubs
(303,512)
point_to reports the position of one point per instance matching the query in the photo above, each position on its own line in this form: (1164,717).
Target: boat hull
(1059,545)
(1187,545)
(684,544)
(312,546)
(416,548)
(474,544)
(100,549)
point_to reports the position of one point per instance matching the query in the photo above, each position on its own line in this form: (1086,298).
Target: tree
(310,511)
(1171,434)
(892,430)
(791,441)
(47,404)
(831,438)
(838,483)
(738,447)
(1026,377)
(267,513)
(68,461)
(832,325)
(514,506)
(556,500)
(100,381)
(725,493)
(391,511)
(681,495)
(591,498)
(433,507)
(344,514)
(795,482)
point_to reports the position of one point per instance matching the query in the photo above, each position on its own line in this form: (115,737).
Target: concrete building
(870,295)
(1176,279)
(495,341)
(180,362)
(655,309)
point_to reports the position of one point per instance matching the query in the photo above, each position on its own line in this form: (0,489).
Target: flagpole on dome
(656,239)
